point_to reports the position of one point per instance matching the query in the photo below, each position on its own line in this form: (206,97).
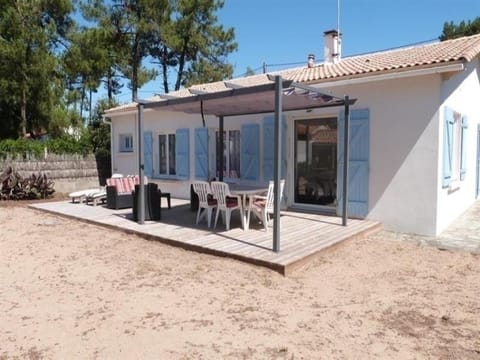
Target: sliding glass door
(316,161)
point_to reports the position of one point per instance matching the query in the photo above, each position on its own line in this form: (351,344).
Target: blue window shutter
(268,150)
(182,151)
(449,120)
(268,147)
(358,162)
(201,153)
(463,161)
(148,153)
(249,153)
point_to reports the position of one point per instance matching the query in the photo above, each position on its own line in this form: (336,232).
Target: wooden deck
(302,235)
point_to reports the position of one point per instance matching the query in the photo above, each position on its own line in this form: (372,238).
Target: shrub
(20,147)
(15,187)
(66,144)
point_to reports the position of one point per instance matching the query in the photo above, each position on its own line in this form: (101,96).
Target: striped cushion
(119,185)
(260,202)
(124,185)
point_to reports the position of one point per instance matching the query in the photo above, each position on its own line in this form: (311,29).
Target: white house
(414,155)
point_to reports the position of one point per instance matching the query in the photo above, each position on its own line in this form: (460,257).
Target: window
(126,143)
(454,149)
(231,153)
(166,152)
(456,146)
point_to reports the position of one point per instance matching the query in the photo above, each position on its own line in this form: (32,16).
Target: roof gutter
(395,75)
(125,111)
(106,119)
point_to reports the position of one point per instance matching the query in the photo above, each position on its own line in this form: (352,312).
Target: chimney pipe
(332,46)
(311,60)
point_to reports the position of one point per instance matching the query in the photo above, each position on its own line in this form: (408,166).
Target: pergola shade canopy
(275,95)
(247,100)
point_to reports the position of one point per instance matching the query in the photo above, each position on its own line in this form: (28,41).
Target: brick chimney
(332,46)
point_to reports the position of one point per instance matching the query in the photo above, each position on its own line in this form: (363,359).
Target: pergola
(273,95)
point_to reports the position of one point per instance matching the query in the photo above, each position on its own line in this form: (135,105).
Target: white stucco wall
(161,122)
(406,148)
(124,162)
(403,150)
(462,94)
(406,132)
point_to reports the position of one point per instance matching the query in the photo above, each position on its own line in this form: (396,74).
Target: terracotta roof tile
(462,49)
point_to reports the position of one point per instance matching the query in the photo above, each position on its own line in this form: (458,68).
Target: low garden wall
(69,172)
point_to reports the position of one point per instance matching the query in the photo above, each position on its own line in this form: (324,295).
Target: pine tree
(130,26)
(194,44)
(31,35)
(453,31)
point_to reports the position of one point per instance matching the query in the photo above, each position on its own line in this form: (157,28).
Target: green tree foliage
(194,44)
(129,27)
(453,31)
(50,65)
(86,62)
(31,35)
(98,130)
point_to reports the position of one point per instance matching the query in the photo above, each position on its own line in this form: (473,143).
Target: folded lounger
(81,195)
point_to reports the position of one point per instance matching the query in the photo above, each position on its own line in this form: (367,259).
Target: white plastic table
(246,191)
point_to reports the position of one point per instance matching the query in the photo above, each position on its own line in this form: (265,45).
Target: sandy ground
(74,291)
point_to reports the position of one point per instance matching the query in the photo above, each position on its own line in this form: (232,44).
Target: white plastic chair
(226,202)
(205,200)
(262,206)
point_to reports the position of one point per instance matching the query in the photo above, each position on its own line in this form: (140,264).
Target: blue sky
(285,32)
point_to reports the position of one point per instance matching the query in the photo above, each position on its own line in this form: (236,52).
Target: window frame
(457,148)
(229,146)
(454,152)
(123,140)
(169,154)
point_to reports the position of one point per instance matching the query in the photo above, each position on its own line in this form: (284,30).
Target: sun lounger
(95,197)
(81,195)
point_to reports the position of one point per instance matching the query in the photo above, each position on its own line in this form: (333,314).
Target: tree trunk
(181,65)
(109,89)
(82,102)
(23,111)
(135,66)
(165,70)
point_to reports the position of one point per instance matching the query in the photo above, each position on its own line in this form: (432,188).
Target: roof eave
(437,68)
(131,109)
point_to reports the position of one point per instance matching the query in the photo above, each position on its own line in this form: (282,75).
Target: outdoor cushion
(211,200)
(119,192)
(124,185)
(260,202)
(232,202)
